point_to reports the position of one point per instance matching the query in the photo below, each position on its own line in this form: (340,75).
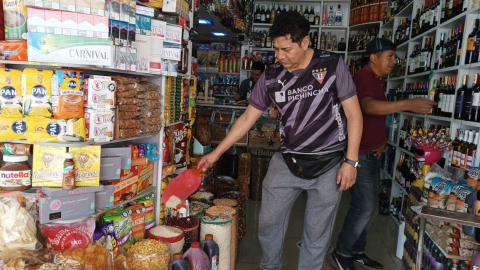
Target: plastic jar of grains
(215,211)
(221,229)
(170,234)
(190,226)
(148,254)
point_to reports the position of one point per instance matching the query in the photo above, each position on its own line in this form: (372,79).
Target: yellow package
(52,130)
(68,101)
(12,128)
(48,166)
(37,92)
(11,93)
(87,165)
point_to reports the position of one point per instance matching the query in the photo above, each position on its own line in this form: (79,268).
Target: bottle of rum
(338,16)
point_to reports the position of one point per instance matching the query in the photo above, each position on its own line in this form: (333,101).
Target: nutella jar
(15,173)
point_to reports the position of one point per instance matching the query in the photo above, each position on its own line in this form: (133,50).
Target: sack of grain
(171,234)
(221,229)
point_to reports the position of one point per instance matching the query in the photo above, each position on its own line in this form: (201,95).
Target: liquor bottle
(422,20)
(311,16)
(310,45)
(338,16)
(449,48)
(457,151)
(443,11)
(267,14)
(423,58)
(264,39)
(342,46)
(331,17)
(451,92)
(403,134)
(438,13)
(476,46)
(449,10)
(475,101)
(444,96)
(324,15)
(430,54)
(433,95)
(323,41)
(472,151)
(469,99)
(246,61)
(283,8)
(317,19)
(262,13)
(460,99)
(407,28)
(306,14)
(315,40)
(470,44)
(411,63)
(258,15)
(268,43)
(468,140)
(458,45)
(301,10)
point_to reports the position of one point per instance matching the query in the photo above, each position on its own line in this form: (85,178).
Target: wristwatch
(355,164)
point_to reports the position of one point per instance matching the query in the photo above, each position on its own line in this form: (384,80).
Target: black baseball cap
(379,45)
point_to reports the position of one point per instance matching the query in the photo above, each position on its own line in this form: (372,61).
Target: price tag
(53,64)
(34,63)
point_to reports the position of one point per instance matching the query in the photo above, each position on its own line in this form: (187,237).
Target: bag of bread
(11,93)
(68,100)
(37,92)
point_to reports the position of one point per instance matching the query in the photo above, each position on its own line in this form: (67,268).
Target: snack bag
(46,129)
(12,128)
(462,194)
(138,221)
(122,223)
(105,236)
(472,177)
(75,235)
(37,92)
(10,93)
(68,100)
(148,202)
(439,192)
(452,198)
(47,168)
(87,165)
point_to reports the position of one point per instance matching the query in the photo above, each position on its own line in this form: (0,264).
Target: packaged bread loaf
(127,101)
(127,94)
(126,87)
(124,80)
(149,95)
(149,113)
(150,103)
(127,108)
(129,123)
(128,115)
(128,133)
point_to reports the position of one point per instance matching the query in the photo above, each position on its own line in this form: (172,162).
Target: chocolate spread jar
(15,173)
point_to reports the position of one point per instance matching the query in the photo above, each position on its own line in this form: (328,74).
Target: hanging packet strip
(10,93)
(37,92)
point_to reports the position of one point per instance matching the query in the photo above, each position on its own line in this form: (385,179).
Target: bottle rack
(404,50)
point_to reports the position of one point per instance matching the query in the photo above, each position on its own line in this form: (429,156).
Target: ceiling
(204,30)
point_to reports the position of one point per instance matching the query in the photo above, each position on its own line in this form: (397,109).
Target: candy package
(69,236)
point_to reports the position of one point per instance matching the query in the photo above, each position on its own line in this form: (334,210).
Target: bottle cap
(195,245)
(69,156)
(177,256)
(209,237)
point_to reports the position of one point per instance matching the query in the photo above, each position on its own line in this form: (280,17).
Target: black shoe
(366,262)
(340,262)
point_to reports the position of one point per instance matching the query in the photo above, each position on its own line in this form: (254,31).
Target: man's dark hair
(292,25)
(258,66)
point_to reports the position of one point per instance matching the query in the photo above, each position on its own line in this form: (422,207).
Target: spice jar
(68,182)
(15,173)
(18,149)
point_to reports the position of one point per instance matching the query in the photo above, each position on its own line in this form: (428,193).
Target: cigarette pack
(36,20)
(85,25)
(53,22)
(69,23)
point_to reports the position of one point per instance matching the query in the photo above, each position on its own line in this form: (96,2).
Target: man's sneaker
(366,262)
(340,262)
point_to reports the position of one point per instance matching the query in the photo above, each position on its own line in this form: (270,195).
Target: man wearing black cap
(381,58)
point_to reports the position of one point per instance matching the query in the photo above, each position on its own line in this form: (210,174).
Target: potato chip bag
(105,236)
(37,92)
(68,100)
(122,222)
(10,93)
(53,130)
(87,165)
(12,128)
(138,221)
(47,168)
(148,202)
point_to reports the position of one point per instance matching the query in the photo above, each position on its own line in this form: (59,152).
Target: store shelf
(389,24)
(222,106)
(405,11)
(392,144)
(334,27)
(262,24)
(77,144)
(215,95)
(399,186)
(404,44)
(406,152)
(237,143)
(262,49)
(357,52)
(439,118)
(363,26)
(226,73)
(172,124)
(395,219)
(228,84)
(413,114)
(123,140)
(388,175)
(466,123)
(140,195)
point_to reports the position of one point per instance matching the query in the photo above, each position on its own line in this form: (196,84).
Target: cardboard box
(99,124)
(68,5)
(121,58)
(143,44)
(100,27)
(145,175)
(125,11)
(105,198)
(97,7)
(144,25)
(100,92)
(67,204)
(131,35)
(47,166)
(123,34)
(132,58)
(115,31)
(83,6)
(132,15)
(69,23)
(127,187)
(114,9)
(34,3)
(263,147)
(36,20)
(53,22)
(110,168)
(51,4)
(124,152)
(14,50)
(85,25)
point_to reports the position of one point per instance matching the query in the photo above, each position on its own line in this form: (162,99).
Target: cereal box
(127,187)
(48,166)
(37,92)
(10,93)
(87,165)
(12,128)
(99,124)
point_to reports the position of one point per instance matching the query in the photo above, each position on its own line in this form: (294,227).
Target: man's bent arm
(354,126)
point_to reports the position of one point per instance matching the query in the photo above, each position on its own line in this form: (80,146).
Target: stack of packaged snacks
(127,107)
(149,96)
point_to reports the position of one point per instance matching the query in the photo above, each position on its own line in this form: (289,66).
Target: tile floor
(381,245)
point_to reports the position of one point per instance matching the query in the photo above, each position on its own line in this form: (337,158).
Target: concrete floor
(381,245)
